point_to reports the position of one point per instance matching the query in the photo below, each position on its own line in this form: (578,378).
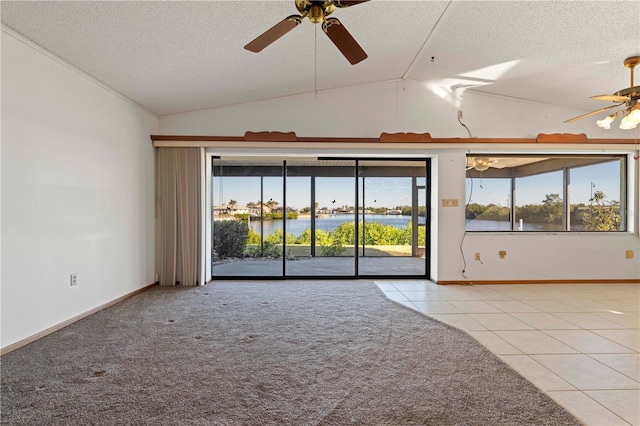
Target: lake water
(327,223)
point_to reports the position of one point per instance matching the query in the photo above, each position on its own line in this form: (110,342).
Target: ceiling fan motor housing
(315,10)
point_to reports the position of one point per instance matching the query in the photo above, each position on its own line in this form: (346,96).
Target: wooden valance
(274,136)
(562,138)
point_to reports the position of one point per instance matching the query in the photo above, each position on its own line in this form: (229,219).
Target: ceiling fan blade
(612,98)
(274,33)
(591,113)
(347,3)
(344,41)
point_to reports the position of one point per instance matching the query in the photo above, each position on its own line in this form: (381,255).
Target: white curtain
(179,251)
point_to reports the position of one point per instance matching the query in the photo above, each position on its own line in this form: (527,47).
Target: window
(546,193)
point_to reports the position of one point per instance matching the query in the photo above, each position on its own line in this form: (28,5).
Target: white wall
(77,192)
(410,106)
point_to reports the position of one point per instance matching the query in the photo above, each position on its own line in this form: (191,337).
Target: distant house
(233,209)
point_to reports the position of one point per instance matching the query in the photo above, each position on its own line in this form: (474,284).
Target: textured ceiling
(178,56)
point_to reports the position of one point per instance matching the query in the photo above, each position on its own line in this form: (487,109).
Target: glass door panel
(334,218)
(390,209)
(247,231)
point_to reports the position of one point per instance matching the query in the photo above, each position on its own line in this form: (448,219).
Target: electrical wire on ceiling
(464,125)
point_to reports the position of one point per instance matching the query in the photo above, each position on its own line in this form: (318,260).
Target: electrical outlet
(73,280)
(502,254)
(629,254)
(459,114)
(477,257)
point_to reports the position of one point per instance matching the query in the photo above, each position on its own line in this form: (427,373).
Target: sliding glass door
(247,216)
(324,237)
(392,209)
(276,217)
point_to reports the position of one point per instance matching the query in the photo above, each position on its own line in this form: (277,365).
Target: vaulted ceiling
(177,56)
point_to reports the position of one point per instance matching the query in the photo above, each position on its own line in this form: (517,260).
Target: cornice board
(545,140)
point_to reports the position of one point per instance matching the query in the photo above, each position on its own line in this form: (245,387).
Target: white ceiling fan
(628,100)
(481,164)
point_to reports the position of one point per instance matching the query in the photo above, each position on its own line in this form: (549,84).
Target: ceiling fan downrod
(631,63)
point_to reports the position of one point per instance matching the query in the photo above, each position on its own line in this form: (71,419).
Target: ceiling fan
(483,163)
(628,99)
(317,12)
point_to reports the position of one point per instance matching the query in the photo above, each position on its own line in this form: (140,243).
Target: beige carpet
(259,353)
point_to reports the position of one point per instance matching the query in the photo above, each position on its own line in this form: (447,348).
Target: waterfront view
(326,223)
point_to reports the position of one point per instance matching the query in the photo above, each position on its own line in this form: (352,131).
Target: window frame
(622,158)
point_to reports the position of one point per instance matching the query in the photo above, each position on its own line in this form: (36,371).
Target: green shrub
(254,237)
(334,249)
(229,238)
(268,249)
(276,237)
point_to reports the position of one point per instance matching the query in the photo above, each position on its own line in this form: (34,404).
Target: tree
(233,203)
(271,204)
(602,215)
(552,208)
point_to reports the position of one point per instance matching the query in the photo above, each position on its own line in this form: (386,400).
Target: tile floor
(579,343)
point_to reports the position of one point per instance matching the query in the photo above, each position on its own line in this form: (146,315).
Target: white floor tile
(407,303)
(586,409)
(588,320)
(585,373)
(461,321)
(395,295)
(451,293)
(500,322)
(474,306)
(624,403)
(535,342)
(386,286)
(544,321)
(587,342)
(628,338)
(409,286)
(587,305)
(494,343)
(513,306)
(627,364)
(628,320)
(420,295)
(436,307)
(624,305)
(536,373)
(547,305)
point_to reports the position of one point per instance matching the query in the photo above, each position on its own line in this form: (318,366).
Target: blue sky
(392,192)
(330,192)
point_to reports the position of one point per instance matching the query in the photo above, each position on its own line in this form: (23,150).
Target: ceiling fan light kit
(628,99)
(479,164)
(317,11)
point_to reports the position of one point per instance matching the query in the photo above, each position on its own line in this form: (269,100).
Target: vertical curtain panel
(179,253)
